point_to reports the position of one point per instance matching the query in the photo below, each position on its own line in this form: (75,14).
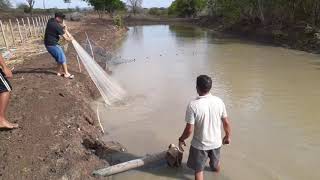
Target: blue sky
(80,3)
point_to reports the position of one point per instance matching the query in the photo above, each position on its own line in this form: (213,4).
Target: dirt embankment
(58,136)
(300,35)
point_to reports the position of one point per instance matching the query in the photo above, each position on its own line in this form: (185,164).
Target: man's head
(59,16)
(204,84)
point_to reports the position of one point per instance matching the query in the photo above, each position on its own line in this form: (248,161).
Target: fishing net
(110,91)
(102,56)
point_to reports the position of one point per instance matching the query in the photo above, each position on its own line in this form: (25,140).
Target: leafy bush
(118,21)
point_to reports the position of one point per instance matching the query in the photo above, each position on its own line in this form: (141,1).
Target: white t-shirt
(205,113)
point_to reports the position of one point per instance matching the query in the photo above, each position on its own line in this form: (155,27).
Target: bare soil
(58,136)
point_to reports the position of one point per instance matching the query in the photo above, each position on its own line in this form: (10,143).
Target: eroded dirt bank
(58,136)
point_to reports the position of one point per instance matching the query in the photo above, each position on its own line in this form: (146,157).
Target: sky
(80,3)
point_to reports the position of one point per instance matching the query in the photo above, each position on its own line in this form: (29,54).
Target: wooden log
(130,165)
(4,36)
(29,26)
(12,34)
(19,29)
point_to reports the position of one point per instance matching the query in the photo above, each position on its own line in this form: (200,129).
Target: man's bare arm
(5,68)
(2,64)
(187,132)
(185,135)
(227,130)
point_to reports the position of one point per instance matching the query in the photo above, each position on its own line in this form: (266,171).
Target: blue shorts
(57,53)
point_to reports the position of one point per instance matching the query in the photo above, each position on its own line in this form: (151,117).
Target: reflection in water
(272,95)
(182,31)
(137,33)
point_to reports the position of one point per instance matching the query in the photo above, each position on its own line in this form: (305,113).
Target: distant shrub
(158,11)
(118,21)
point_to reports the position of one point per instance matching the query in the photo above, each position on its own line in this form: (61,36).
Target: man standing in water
(55,28)
(5,89)
(204,115)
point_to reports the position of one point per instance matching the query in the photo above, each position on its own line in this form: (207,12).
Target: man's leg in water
(4,101)
(199,175)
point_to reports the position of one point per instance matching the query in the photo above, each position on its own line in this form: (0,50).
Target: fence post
(25,29)
(19,29)
(30,31)
(12,34)
(41,25)
(36,21)
(34,27)
(37,27)
(44,23)
(4,35)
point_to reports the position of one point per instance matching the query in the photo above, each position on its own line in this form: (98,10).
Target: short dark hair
(60,15)
(204,83)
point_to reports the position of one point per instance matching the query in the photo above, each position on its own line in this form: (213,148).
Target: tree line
(263,11)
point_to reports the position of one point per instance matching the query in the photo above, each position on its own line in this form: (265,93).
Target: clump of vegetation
(187,8)
(118,21)
(261,11)
(158,11)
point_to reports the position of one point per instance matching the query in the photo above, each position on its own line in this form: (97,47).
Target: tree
(136,5)
(31,4)
(187,8)
(101,6)
(5,4)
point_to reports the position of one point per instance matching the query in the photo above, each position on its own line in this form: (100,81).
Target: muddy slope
(59,137)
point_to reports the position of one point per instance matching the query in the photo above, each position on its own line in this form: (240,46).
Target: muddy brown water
(272,96)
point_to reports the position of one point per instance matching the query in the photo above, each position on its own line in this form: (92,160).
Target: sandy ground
(58,136)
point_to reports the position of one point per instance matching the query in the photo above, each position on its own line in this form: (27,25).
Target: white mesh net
(109,89)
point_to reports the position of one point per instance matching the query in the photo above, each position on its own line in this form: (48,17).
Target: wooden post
(12,34)
(19,29)
(37,27)
(42,26)
(4,35)
(34,27)
(25,29)
(30,30)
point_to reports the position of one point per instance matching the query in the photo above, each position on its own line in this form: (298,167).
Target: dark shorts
(198,158)
(57,53)
(4,83)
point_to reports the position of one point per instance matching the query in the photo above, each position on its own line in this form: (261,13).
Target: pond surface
(272,96)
